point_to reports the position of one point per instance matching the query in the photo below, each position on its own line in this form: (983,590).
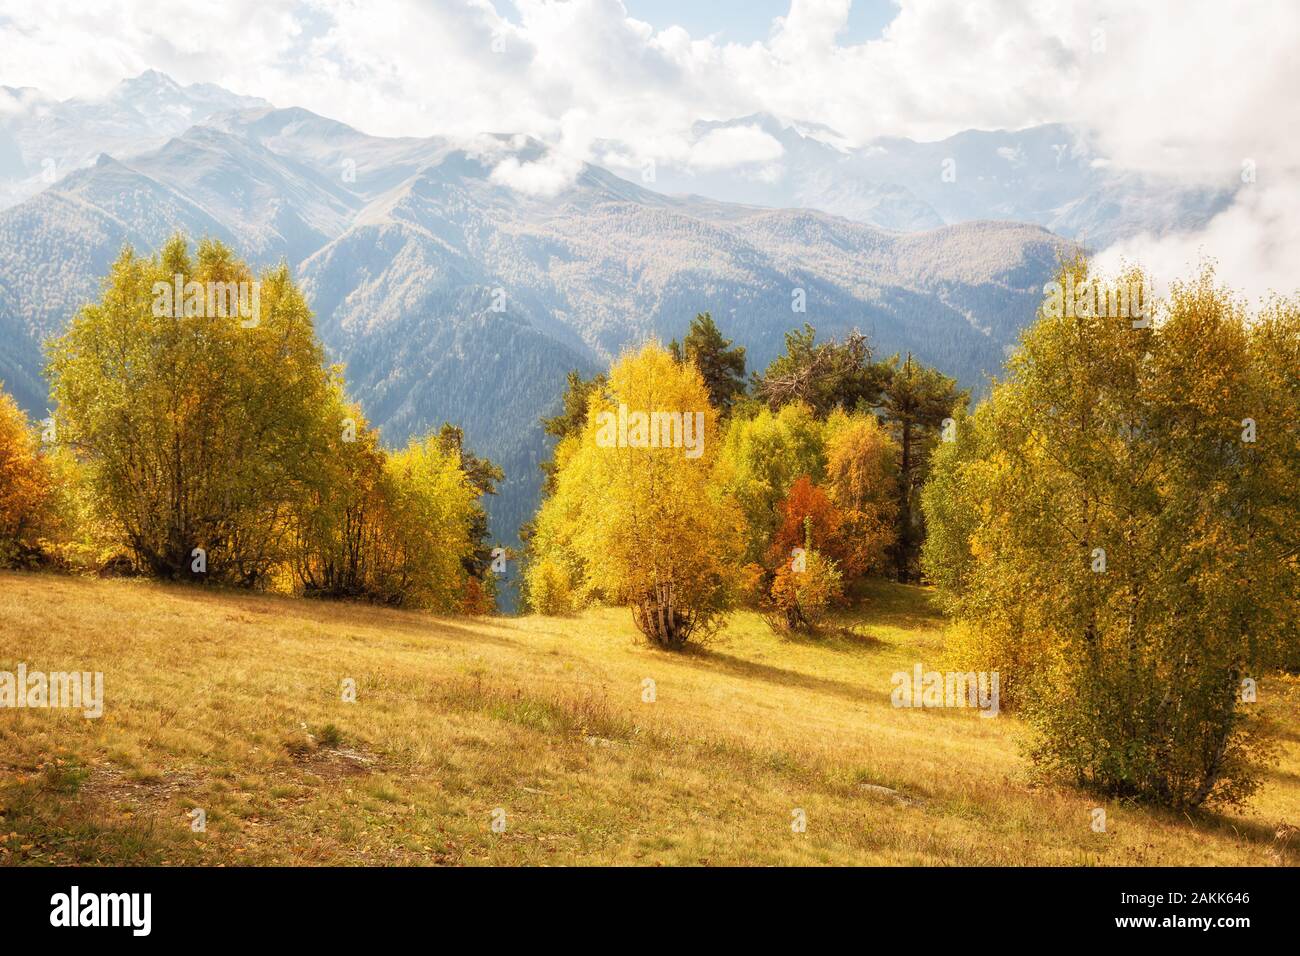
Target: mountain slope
(57,246)
(545,719)
(407,295)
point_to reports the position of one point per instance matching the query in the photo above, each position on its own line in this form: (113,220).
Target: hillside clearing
(231,703)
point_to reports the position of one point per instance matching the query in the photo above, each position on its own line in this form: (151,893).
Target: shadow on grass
(704,657)
(1277,836)
(232,603)
(836,637)
(1282,839)
(909,607)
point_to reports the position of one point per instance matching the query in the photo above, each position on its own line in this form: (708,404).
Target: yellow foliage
(634,519)
(862,478)
(26,494)
(1117,540)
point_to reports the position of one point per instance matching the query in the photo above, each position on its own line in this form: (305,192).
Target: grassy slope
(208,694)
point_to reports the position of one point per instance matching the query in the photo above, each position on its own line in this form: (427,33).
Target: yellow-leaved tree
(862,473)
(339,524)
(1116,526)
(634,518)
(191,395)
(763,454)
(388,527)
(427,532)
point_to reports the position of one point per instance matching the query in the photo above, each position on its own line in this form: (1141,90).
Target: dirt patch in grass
(69,814)
(335,762)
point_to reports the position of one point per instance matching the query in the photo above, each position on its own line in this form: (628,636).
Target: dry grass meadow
(231,703)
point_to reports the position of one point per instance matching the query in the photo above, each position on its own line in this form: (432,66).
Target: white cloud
(1183,88)
(546,176)
(1174,85)
(17,102)
(1254,246)
(733,146)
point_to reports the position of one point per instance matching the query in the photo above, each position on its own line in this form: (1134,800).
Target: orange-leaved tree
(26,499)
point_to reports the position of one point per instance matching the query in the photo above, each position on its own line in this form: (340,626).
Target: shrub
(549,588)
(800,598)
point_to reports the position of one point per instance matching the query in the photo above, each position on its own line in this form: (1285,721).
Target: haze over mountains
(1048,175)
(451,294)
(43,139)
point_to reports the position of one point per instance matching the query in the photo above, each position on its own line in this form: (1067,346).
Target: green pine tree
(721,365)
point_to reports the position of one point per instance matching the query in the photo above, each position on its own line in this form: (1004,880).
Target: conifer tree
(721,365)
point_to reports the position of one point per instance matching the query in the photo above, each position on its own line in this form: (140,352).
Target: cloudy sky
(1186,88)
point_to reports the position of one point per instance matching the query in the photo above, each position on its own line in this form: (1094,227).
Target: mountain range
(1048,175)
(42,139)
(452,295)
